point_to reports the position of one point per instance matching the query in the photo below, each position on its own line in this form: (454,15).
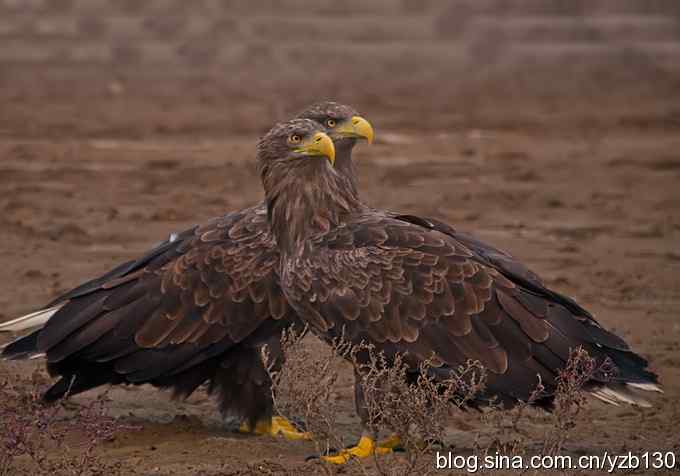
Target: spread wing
(185,309)
(414,289)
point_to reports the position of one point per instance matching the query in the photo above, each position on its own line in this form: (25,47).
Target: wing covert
(416,289)
(187,301)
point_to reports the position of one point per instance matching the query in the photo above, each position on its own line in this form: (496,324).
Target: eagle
(416,287)
(195,309)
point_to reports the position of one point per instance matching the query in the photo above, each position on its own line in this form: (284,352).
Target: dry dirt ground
(95,169)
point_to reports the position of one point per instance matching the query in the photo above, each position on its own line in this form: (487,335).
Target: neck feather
(307,198)
(344,165)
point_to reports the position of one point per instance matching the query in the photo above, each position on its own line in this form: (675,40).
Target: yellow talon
(281,426)
(275,427)
(261,428)
(363,449)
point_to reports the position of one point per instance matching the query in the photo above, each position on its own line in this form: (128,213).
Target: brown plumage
(196,309)
(416,286)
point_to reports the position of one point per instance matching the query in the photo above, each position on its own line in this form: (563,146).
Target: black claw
(328,452)
(298,423)
(435,442)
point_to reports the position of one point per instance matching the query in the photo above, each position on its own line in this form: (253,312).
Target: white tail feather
(35,319)
(647,387)
(621,394)
(600,396)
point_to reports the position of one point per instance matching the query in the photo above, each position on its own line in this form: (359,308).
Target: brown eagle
(197,308)
(416,287)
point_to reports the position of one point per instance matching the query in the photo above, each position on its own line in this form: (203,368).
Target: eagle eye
(295,139)
(331,122)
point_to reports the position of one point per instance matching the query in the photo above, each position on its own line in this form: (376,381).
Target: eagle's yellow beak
(319,145)
(357,127)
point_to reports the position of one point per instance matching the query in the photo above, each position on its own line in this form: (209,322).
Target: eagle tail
(629,393)
(23,348)
(26,347)
(34,319)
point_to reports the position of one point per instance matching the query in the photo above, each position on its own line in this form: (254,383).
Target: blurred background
(236,64)
(549,128)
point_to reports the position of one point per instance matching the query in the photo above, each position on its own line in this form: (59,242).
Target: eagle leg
(393,442)
(277,426)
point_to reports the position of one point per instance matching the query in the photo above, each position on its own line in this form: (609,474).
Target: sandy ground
(88,179)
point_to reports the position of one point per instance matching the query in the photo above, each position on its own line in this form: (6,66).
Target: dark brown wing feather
(194,309)
(502,261)
(410,287)
(499,259)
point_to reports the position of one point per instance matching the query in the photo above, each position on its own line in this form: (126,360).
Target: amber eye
(295,139)
(331,123)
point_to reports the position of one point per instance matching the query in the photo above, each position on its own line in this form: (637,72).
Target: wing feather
(431,290)
(193,299)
